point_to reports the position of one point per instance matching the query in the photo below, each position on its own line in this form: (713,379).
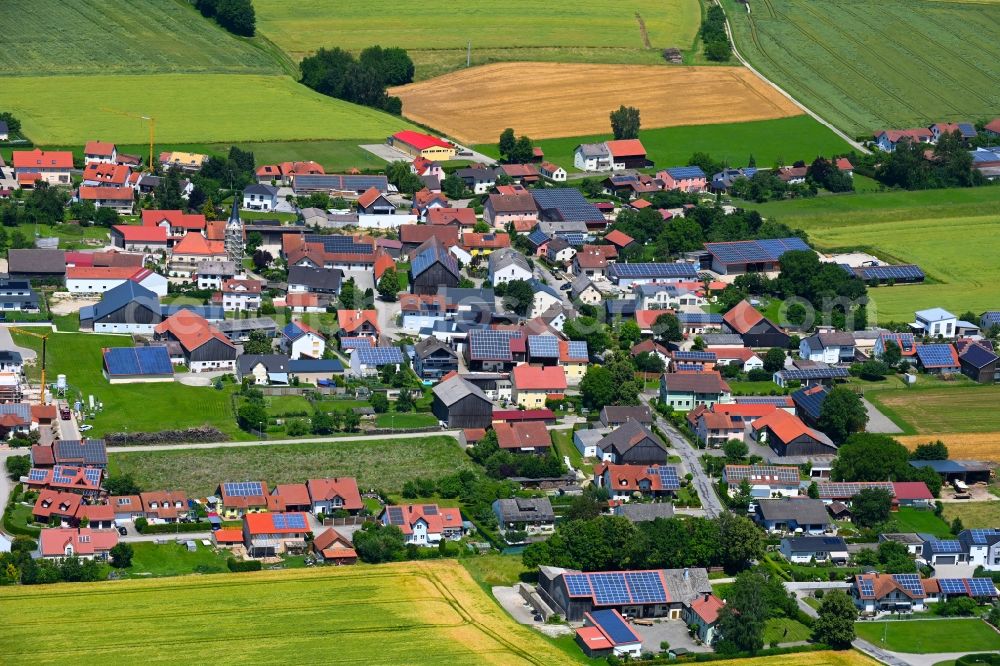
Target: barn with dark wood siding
(461,404)
(433,266)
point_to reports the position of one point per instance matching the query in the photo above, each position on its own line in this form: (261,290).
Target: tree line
(362,80)
(713,35)
(236,16)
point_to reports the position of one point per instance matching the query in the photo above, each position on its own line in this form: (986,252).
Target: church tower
(234,233)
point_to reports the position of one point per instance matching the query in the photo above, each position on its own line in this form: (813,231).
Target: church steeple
(234,232)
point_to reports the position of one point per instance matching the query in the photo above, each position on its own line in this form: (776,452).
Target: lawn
(436,36)
(959,409)
(47,37)
(769,141)
(411,420)
(877,63)
(414,613)
(928,636)
(907,227)
(383,464)
(70,109)
(280,405)
(490,569)
(785,630)
(174,559)
(915,520)
(135,407)
(563,441)
(973,514)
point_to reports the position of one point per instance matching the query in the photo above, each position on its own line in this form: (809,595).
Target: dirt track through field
(550,100)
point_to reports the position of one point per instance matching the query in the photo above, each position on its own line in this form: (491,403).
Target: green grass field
(927,636)
(436,36)
(153,560)
(411,420)
(914,520)
(202,108)
(769,141)
(974,514)
(385,464)
(137,407)
(907,227)
(413,613)
(785,630)
(876,64)
(941,410)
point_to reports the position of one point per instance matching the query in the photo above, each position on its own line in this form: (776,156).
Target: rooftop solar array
(577,349)
(910,583)
(379,355)
(686,172)
(431,255)
(62,474)
(761,400)
(491,345)
(936,356)
(567,203)
(38,475)
(574,238)
(543,346)
(810,401)
(614,627)
(688,367)
(138,361)
(867,588)
(973,587)
(618,587)
(706,356)
(981,536)
(653,270)
(699,318)
(761,472)
(354,343)
(669,480)
(754,251)
(904,273)
(396,516)
(244,489)
(949,546)
(337,244)
(814,373)
(977,355)
(537,237)
(430,510)
(289,521)
(835,490)
(904,340)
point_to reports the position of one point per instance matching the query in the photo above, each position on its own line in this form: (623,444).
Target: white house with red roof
(50,166)
(85,543)
(137,238)
(192,250)
(104,174)
(334,494)
(241,295)
(272,533)
(100,152)
(418,144)
(887,140)
(118,198)
(91,280)
(424,524)
(204,347)
(604,633)
(533,385)
(703,612)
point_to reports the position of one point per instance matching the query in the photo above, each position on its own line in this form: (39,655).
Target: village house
(518,209)
(787,435)
(238,295)
(887,140)
(84,542)
(625,481)
(809,549)
(506,265)
(100,152)
(531,437)
(203,346)
(260,196)
(877,592)
(765,481)
(686,179)
(263,369)
(552,172)
(269,534)
(754,328)
(978,361)
(793,516)
(530,516)
(460,403)
(103,174)
(478,177)
(534,385)
(164,506)
(91,280)
(334,494)
(431,266)
(424,524)
(433,359)
(687,390)
(632,443)
(52,167)
(355,323)
(828,347)
(299,340)
(585,291)
(332,547)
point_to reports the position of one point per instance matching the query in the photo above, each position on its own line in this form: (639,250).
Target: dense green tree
(168,192)
(774,359)
(376,543)
(597,387)
(936,450)
(628,334)
(121,555)
(507,142)
(589,330)
(252,416)
(258,343)
(871,507)
(668,328)
(741,540)
(742,619)
(322,423)
(519,296)
(835,624)
(453,186)
(523,151)
(735,449)
(393,64)
(625,122)
(841,414)
(379,403)
(891,354)
(236,16)
(388,285)
(122,484)
(652,363)
(871,457)
(18,466)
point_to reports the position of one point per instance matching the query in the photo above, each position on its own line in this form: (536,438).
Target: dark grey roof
(238,325)
(272,362)
(622,413)
(580,285)
(802,511)
(212,313)
(451,391)
(258,188)
(10,356)
(812,544)
(810,400)
(216,268)
(687,584)
(952,466)
(722,339)
(626,436)
(330,365)
(642,513)
(328,279)
(115,299)
(86,452)
(33,261)
(902,537)
(429,345)
(506,256)
(520,509)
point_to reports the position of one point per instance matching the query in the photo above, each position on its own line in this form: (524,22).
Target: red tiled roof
(85,541)
(288,494)
(105,193)
(490,240)
(137,234)
(754,410)
(194,243)
(352,320)
(784,425)
(191,330)
(302,300)
(524,434)
(248,286)
(100,272)
(268,170)
(115,174)
(917,134)
(102,148)
(368,197)
(420,141)
(742,354)
(911,490)
(626,148)
(302,168)
(520,170)
(993,126)
(619,238)
(707,607)
(537,378)
(844,164)
(523,415)
(56,502)
(438,519)
(629,477)
(742,317)
(465,217)
(646,319)
(419,233)
(263,523)
(344,487)
(42,159)
(228,535)
(383,262)
(176,218)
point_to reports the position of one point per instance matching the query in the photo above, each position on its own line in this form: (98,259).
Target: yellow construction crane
(44,339)
(152,131)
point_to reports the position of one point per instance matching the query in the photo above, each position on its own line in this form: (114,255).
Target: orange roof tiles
(369,196)
(784,425)
(707,607)
(105,193)
(344,487)
(383,262)
(465,217)
(228,535)
(538,378)
(53,542)
(102,148)
(619,238)
(190,329)
(100,272)
(176,218)
(263,523)
(116,174)
(352,320)
(494,241)
(302,300)
(742,317)
(626,148)
(419,140)
(199,245)
(136,234)
(525,434)
(41,159)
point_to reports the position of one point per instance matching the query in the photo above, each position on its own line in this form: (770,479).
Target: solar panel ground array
(125,361)
(898,273)
(418,613)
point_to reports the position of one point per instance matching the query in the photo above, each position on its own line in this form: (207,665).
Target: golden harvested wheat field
(824,658)
(961,445)
(550,100)
(405,613)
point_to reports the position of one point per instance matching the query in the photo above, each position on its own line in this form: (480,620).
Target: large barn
(461,404)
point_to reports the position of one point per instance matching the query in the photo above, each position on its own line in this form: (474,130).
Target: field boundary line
(746,63)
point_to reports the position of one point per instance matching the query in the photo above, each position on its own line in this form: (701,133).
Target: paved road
(7,342)
(739,56)
(884,656)
(706,489)
(877,421)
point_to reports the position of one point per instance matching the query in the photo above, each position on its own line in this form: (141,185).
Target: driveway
(879,422)
(387,153)
(7,342)
(675,632)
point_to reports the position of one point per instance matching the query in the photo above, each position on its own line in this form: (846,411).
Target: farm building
(422,145)
(754,328)
(757,256)
(204,347)
(461,404)
(632,443)
(433,266)
(978,361)
(787,435)
(604,633)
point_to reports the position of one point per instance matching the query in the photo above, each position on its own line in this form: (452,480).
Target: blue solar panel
(679,173)
(653,270)
(982,587)
(952,585)
(379,355)
(491,345)
(609,589)
(341,244)
(904,273)
(669,479)
(946,546)
(688,367)
(577,349)
(981,536)
(978,355)
(543,346)
(814,373)
(278,520)
(354,343)
(936,356)
(810,401)
(778,246)
(566,203)
(537,237)
(911,583)
(396,517)
(646,587)
(38,475)
(578,584)
(243,489)
(613,626)
(694,356)
(867,588)
(435,253)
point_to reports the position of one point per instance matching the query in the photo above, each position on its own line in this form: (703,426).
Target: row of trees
(336,73)
(236,16)
(501,464)
(910,167)
(713,35)
(515,150)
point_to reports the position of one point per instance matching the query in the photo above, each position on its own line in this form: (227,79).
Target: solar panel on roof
(911,583)
(952,585)
(243,489)
(645,587)
(609,589)
(379,355)
(669,479)
(612,624)
(867,588)
(689,367)
(653,270)
(686,172)
(982,587)
(354,343)
(37,475)
(946,546)
(577,349)
(543,346)
(567,203)
(578,584)
(694,356)
(341,244)
(92,475)
(982,535)
(430,510)
(936,356)
(761,400)
(491,345)
(907,273)
(814,373)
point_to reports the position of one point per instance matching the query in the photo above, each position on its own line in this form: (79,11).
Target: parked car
(86,427)
(64,414)
(122,531)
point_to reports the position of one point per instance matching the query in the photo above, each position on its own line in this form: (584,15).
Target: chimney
(685,573)
(707,595)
